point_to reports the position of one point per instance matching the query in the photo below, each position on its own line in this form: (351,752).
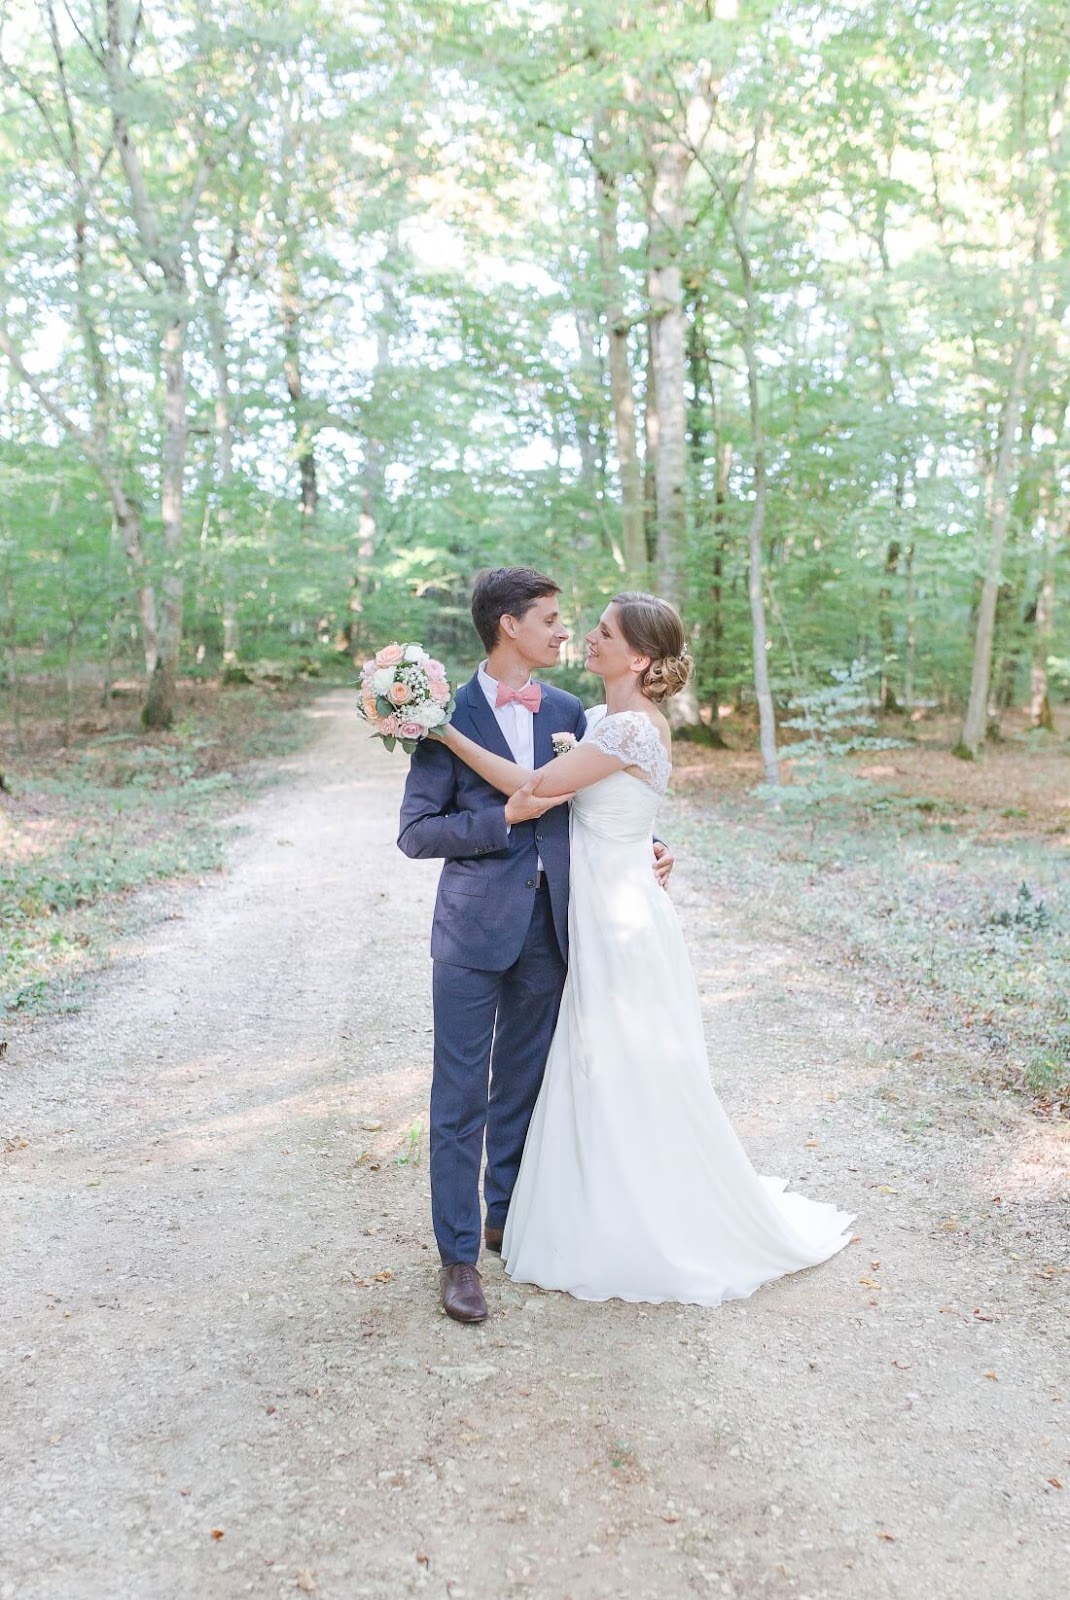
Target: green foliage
(396,265)
(90,823)
(971,930)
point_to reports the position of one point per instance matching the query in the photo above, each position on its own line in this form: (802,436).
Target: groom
(499,939)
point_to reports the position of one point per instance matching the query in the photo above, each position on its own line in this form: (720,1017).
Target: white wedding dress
(633,1184)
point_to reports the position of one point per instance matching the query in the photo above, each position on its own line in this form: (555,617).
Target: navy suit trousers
(497,1025)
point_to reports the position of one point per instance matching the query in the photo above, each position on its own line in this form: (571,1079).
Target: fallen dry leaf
(217,1533)
(869,1283)
(306,1582)
(382,1277)
(1055,1483)
(890,1537)
(811,1144)
(990,1374)
(904,1366)
(422,1559)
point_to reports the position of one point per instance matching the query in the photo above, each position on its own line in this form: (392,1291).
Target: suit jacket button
(530,883)
(538,838)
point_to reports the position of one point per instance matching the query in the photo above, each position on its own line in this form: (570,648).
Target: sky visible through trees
(310,311)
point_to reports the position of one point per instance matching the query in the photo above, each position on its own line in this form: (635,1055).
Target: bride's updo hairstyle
(652,627)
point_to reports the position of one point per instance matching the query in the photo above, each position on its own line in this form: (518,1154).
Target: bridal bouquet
(404,694)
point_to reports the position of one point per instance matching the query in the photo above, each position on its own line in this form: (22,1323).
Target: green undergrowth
(969,926)
(86,824)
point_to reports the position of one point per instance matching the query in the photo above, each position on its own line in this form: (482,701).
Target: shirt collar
(489,685)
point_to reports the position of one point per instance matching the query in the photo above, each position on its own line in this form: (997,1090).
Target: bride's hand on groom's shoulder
(664,861)
(525,805)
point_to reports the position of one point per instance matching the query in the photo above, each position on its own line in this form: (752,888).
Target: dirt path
(224,1372)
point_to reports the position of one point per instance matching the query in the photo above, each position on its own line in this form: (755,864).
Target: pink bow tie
(530,696)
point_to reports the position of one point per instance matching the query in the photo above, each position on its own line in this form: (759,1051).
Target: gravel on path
(224,1371)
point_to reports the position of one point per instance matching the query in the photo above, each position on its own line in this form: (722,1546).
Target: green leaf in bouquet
(389,740)
(384,707)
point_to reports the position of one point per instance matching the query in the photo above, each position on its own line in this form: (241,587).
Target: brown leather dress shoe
(492,1238)
(462,1293)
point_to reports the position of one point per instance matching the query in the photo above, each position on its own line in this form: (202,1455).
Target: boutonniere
(563,742)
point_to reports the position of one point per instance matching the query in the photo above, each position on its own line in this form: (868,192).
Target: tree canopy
(311,311)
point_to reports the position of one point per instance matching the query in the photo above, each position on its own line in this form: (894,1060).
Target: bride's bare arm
(577,769)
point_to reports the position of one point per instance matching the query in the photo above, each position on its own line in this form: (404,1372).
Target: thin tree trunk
(910,665)
(665,285)
(374,481)
(621,388)
(590,446)
(159,706)
(888,701)
(650,456)
(974,724)
(304,433)
(1040,712)
(672,162)
(224,433)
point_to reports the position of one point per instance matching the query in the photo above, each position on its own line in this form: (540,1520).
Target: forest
(311,311)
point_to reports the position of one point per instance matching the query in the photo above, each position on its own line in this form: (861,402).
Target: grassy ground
(948,881)
(85,823)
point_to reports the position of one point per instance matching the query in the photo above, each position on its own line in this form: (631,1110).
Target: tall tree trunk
(374,481)
(224,435)
(650,452)
(665,284)
(291,309)
(708,524)
(589,442)
(1040,712)
(159,708)
(888,701)
(910,664)
(621,387)
(672,161)
(974,724)
(737,210)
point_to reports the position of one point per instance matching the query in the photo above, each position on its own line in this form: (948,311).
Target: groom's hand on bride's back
(525,805)
(664,861)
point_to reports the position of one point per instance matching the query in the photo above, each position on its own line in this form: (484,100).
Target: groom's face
(539,634)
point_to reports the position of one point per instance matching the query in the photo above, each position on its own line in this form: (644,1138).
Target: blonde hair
(653,628)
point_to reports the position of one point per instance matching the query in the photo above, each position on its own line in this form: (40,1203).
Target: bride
(633,1184)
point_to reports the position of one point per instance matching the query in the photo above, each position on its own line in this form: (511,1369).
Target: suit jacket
(487,886)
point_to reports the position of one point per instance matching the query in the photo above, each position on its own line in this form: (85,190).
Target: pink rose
(434,669)
(398,694)
(389,726)
(389,655)
(440,691)
(409,730)
(369,666)
(370,709)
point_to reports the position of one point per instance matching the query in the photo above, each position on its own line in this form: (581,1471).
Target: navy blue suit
(499,947)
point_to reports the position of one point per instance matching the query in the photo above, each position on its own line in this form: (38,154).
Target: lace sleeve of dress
(634,740)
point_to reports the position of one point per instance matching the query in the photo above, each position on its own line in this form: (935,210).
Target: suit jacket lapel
(484,722)
(543,729)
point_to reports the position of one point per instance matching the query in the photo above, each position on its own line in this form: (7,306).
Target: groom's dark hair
(506,592)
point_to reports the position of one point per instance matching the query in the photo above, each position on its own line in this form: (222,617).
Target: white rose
(383,680)
(430,715)
(415,652)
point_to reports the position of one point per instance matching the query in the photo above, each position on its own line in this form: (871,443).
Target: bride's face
(608,652)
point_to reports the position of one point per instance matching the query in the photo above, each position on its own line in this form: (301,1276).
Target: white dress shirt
(516,722)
